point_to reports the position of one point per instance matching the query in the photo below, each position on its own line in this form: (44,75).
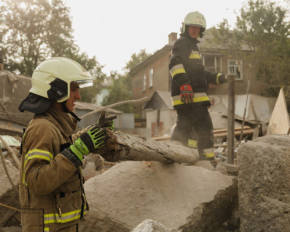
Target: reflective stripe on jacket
(51,189)
(186,67)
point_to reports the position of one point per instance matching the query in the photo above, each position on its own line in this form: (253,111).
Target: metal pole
(157,123)
(245,110)
(231,119)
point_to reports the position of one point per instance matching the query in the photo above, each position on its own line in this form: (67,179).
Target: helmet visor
(84,83)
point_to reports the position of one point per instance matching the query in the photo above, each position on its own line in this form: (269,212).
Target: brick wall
(161,80)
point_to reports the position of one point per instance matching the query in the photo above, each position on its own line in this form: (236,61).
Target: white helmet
(194,19)
(51,79)
(51,82)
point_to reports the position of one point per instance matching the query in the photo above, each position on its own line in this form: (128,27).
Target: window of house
(236,67)
(150,77)
(212,63)
(144,82)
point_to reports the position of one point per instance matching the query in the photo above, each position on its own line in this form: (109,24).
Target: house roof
(205,48)
(90,106)
(159,100)
(151,58)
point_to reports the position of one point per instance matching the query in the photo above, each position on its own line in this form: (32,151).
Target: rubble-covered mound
(187,198)
(8,195)
(264,184)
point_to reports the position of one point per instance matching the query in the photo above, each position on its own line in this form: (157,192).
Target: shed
(159,110)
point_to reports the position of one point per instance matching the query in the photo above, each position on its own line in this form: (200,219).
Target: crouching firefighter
(189,87)
(52,196)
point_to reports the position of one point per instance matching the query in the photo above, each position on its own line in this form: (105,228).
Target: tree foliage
(121,88)
(261,38)
(32,31)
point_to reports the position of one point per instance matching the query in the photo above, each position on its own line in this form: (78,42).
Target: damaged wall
(13,89)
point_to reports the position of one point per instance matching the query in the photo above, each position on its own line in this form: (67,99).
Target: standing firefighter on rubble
(189,89)
(51,193)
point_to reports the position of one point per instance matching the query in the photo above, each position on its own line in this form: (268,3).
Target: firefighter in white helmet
(51,189)
(190,83)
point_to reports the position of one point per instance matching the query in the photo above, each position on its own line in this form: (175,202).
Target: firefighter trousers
(194,129)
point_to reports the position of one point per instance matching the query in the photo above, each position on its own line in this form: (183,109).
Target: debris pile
(8,195)
(264,186)
(179,197)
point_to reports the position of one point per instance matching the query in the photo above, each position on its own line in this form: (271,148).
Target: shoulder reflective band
(197,97)
(36,154)
(176,69)
(217,78)
(209,153)
(194,55)
(65,217)
(192,143)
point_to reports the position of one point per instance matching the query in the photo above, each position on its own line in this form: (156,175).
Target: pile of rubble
(143,196)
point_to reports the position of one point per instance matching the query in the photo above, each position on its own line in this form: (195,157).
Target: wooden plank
(279,123)
(225,130)
(231,119)
(236,133)
(247,131)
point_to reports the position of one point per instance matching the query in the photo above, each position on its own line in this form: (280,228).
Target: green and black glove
(89,141)
(107,122)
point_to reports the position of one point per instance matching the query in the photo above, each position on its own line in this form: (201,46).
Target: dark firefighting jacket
(51,184)
(186,67)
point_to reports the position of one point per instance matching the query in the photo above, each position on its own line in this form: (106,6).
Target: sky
(112,30)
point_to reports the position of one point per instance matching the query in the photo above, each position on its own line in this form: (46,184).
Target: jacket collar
(63,121)
(186,35)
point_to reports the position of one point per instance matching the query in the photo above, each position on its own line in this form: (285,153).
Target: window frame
(235,68)
(217,64)
(151,78)
(144,82)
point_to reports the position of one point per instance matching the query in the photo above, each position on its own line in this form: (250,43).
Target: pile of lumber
(221,133)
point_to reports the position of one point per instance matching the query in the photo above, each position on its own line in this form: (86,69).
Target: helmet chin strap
(69,112)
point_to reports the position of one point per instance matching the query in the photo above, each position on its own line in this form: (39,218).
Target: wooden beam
(122,146)
(231,118)
(236,133)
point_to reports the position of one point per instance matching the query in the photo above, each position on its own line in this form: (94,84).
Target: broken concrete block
(95,159)
(264,186)
(221,169)
(205,164)
(8,196)
(151,226)
(232,169)
(185,198)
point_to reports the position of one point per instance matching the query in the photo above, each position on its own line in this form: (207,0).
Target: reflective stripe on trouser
(177,69)
(65,217)
(197,97)
(209,153)
(192,143)
(36,154)
(46,229)
(194,123)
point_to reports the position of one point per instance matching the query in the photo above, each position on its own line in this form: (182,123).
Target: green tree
(33,30)
(263,29)
(121,88)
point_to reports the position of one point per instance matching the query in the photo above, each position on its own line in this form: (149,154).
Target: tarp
(258,109)
(10,141)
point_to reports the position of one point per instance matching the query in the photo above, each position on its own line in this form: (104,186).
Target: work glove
(186,94)
(107,122)
(89,141)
